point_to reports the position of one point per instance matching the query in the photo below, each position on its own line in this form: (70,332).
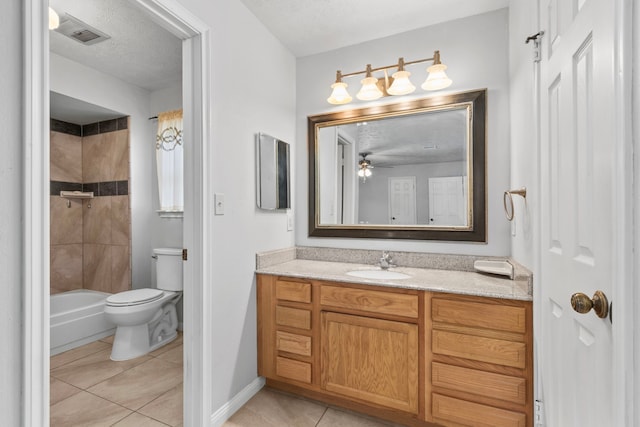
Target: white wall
(476,51)
(253,90)
(525,157)
(87,84)
(374,192)
(11,236)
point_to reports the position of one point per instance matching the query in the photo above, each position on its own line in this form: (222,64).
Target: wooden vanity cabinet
(413,357)
(479,360)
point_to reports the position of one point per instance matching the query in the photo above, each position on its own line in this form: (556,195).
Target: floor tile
(137,420)
(269,408)
(85,409)
(174,355)
(140,385)
(94,368)
(335,417)
(77,353)
(166,408)
(60,390)
(108,339)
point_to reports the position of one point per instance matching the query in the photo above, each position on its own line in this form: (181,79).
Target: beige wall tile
(65,222)
(120,268)
(119,147)
(66,267)
(97,267)
(97,220)
(120,220)
(66,157)
(96,159)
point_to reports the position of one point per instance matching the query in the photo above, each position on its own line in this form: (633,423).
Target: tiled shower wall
(91,239)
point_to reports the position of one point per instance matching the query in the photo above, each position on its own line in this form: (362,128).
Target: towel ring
(507,201)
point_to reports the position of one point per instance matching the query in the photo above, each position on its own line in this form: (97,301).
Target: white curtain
(169,153)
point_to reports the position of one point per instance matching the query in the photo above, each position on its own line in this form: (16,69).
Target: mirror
(272,173)
(411,170)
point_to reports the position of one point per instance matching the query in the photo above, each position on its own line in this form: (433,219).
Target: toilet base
(137,340)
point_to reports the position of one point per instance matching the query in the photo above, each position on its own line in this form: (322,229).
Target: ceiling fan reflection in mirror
(364,167)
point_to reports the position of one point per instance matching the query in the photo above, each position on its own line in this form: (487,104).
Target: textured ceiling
(429,137)
(139,51)
(308,27)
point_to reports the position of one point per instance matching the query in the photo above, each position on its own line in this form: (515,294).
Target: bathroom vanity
(440,347)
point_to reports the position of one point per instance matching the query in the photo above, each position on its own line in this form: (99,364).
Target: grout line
(326,408)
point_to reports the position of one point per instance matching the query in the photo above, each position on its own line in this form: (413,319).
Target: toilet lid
(135,297)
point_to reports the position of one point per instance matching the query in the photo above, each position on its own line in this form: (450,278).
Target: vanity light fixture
(369,90)
(397,84)
(54,19)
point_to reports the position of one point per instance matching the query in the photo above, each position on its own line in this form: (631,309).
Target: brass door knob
(583,304)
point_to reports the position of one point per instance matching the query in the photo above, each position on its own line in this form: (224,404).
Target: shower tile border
(100,189)
(120,123)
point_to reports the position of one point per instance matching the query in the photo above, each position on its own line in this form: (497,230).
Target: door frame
(197,234)
(626,370)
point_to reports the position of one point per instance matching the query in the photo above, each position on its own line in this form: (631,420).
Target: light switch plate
(289,220)
(218,200)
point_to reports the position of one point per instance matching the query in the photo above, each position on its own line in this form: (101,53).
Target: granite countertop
(451,281)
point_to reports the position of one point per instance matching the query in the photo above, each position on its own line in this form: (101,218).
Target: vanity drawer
(481,383)
(499,352)
(293,369)
(480,315)
(293,291)
(370,301)
(293,317)
(293,343)
(474,414)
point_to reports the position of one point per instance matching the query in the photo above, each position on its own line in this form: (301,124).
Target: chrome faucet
(386,261)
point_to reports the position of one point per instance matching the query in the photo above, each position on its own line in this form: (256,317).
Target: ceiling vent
(80,31)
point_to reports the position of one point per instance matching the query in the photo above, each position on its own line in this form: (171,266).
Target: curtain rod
(153,118)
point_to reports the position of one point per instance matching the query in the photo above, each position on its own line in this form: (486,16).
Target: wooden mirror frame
(477,230)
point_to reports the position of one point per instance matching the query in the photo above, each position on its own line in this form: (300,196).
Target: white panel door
(448,201)
(402,200)
(578,149)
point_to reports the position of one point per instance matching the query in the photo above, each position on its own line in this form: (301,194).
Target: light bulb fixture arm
(400,64)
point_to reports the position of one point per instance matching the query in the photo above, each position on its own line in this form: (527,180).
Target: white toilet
(146,318)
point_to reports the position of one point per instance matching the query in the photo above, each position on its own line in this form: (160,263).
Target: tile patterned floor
(89,389)
(270,408)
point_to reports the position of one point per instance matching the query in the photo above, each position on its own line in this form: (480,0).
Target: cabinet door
(370,359)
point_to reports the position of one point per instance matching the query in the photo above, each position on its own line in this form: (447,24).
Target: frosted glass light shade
(401,84)
(54,19)
(367,172)
(437,78)
(339,94)
(369,90)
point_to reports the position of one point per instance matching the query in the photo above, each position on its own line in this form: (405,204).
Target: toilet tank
(168,268)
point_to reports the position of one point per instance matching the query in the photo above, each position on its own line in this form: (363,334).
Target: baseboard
(228,409)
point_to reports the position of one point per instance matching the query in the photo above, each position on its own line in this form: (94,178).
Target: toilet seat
(134,297)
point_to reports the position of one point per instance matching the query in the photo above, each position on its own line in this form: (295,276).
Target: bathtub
(77,318)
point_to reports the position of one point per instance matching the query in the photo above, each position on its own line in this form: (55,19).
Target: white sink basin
(378,274)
